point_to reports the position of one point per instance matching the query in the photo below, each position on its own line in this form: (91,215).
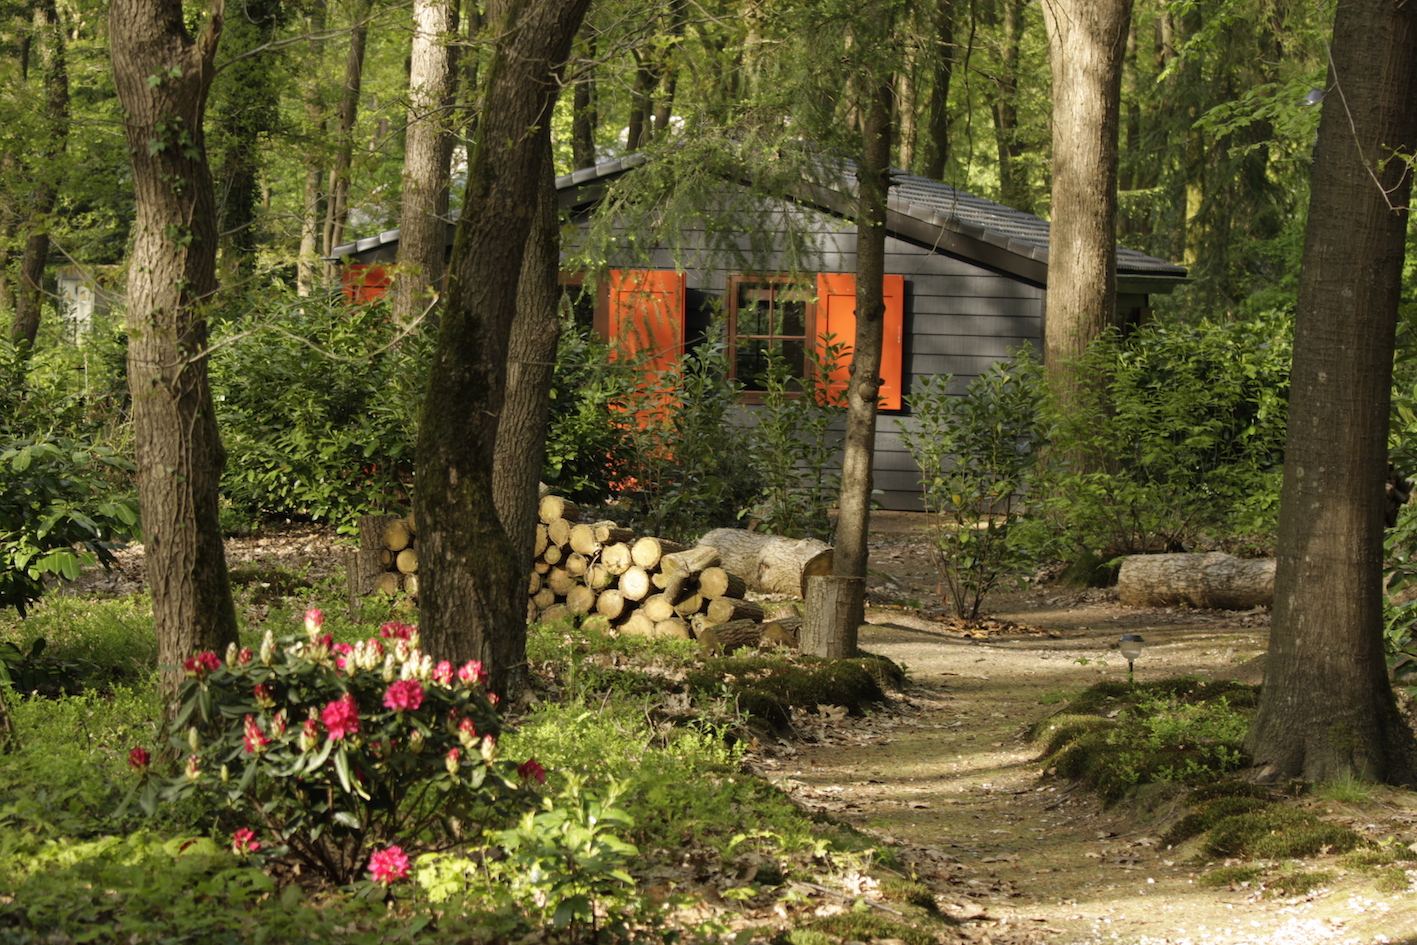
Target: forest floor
(946,775)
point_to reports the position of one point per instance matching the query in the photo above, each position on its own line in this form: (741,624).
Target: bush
(976,455)
(1178,443)
(318,406)
(329,749)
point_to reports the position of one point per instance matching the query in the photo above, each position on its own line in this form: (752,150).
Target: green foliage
(333,748)
(1178,731)
(1176,445)
(1277,833)
(793,446)
(684,470)
(567,861)
(318,406)
(94,644)
(976,454)
(584,434)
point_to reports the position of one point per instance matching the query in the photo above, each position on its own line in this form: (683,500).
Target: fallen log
(552,508)
(724,638)
(716,582)
(770,564)
(1212,580)
(647,551)
(727,609)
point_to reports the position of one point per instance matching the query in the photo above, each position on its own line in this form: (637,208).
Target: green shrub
(976,455)
(1277,833)
(1177,444)
(318,406)
(584,435)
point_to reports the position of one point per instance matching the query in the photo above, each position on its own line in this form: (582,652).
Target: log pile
(647,586)
(387,559)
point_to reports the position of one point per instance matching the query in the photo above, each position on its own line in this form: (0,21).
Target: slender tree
(1086,45)
(163,74)
(347,112)
(472,598)
(428,154)
(1327,709)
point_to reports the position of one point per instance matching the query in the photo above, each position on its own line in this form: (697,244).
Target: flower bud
(225,774)
(467,733)
(489,748)
(314,619)
(231,652)
(453,761)
(278,724)
(390,669)
(401,651)
(268,648)
(194,740)
(415,741)
(309,735)
(193,770)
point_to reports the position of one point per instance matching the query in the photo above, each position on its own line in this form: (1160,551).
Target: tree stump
(833,617)
(1213,580)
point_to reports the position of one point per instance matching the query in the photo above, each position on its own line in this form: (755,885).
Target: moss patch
(1277,833)
(1228,876)
(1298,883)
(1208,815)
(768,688)
(896,889)
(868,926)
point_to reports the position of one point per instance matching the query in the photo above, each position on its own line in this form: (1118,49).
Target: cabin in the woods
(966,286)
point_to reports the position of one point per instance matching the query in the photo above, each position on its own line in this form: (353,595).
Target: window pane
(752,362)
(754,308)
(794,353)
(792,317)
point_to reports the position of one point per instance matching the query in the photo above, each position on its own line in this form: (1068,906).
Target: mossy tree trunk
(162,75)
(472,596)
(1327,709)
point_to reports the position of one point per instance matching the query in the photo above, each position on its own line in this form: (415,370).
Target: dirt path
(949,774)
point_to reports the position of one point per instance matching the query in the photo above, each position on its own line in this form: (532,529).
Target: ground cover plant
(336,779)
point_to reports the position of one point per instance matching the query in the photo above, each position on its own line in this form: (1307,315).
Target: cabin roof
(922,211)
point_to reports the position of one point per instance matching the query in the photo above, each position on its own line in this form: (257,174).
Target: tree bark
(937,128)
(162,75)
(583,107)
(30,297)
(1086,45)
(531,358)
(771,564)
(1327,709)
(428,154)
(472,594)
(308,266)
(1214,579)
(1013,183)
(864,386)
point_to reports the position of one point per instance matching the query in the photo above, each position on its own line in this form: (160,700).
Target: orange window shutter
(836,317)
(647,315)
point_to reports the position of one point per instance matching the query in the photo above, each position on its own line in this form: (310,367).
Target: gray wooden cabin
(971,274)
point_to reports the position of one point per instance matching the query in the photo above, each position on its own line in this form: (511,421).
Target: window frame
(807,283)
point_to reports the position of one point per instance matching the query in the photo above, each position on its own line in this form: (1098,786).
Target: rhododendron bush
(329,750)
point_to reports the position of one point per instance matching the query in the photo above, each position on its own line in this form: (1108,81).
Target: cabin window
(769,316)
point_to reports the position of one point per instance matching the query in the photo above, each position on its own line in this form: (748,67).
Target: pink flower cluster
(244,841)
(393,630)
(341,717)
(472,672)
(405,695)
(202,664)
(255,739)
(531,770)
(388,865)
(140,759)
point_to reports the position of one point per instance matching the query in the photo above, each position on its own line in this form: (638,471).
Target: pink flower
(343,649)
(406,695)
(278,724)
(452,761)
(201,664)
(140,759)
(443,673)
(388,864)
(341,717)
(255,739)
(467,733)
(314,619)
(193,771)
(531,770)
(472,672)
(244,841)
(262,692)
(244,656)
(393,630)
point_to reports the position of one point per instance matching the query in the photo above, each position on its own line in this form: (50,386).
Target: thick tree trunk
(1086,43)
(473,579)
(49,42)
(1327,709)
(162,75)
(864,387)
(428,154)
(583,115)
(531,358)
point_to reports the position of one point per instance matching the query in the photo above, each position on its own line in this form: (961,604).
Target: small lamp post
(1130,645)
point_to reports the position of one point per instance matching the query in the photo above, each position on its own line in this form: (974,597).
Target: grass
(618,715)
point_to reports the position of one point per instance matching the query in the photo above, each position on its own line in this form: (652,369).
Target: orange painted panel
(647,321)
(836,316)
(364,283)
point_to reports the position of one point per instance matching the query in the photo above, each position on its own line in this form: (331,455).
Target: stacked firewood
(387,559)
(647,586)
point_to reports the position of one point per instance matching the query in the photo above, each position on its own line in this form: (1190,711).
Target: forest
(198,355)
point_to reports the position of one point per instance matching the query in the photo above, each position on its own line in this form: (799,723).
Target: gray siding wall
(959,319)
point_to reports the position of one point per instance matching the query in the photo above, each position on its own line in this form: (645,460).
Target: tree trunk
(162,76)
(428,153)
(1013,182)
(583,114)
(937,149)
(531,357)
(834,613)
(337,208)
(472,594)
(308,266)
(50,44)
(1086,44)
(1327,709)
(864,386)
